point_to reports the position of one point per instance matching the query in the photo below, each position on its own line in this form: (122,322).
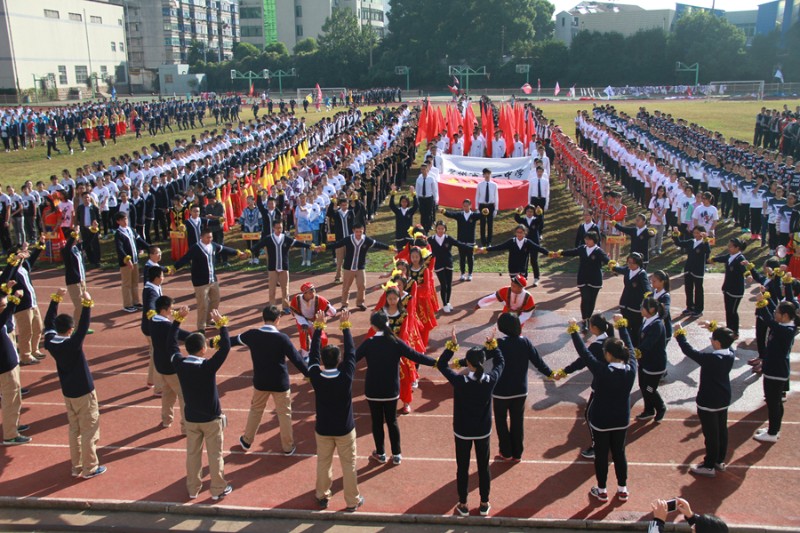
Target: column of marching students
(402,320)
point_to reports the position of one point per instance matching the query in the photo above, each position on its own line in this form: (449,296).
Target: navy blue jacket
(198,378)
(714,391)
(269,349)
(383,366)
(333,388)
(590,267)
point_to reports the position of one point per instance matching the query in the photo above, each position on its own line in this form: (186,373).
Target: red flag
(520,121)
(487,124)
(453,90)
(557,89)
(422,125)
(507,125)
(252,89)
(455,80)
(469,128)
(319,94)
(527,89)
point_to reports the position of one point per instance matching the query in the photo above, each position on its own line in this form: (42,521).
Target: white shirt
(431,188)
(498,148)
(480,194)
(533,189)
(478,147)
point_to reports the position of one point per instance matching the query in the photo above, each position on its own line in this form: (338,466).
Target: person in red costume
(514,298)
(420,273)
(304,308)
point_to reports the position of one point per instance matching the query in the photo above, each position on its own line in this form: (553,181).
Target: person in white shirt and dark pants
(539,189)
(488,201)
(427,190)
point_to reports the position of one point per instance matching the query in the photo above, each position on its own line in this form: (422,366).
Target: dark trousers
(773,392)
(588,301)
(648,384)
(445,276)
(5,238)
(510,436)
(148,226)
(537,201)
(613,441)
(91,244)
(761,336)
(426,212)
(105,219)
(634,325)
(487,224)
(385,411)
(463,449)
(534,256)
(586,417)
(755,220)
(744,215)
(465,260)
(732,312)
(161,226)
(695,298)
(715,433)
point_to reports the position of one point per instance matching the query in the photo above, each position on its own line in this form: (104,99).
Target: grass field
(733,119)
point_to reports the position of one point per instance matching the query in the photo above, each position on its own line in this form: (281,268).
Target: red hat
(308,286)
(520,280)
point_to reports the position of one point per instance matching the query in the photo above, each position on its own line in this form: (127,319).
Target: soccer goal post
(327,92)
(738,89)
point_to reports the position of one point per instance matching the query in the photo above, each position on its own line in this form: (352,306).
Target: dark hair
(380,321)
(636,256)
(195,343)
(593,236)
(162,303)
(788,308)
(617,349)
(662,277)
(120,216)
(358,225)
(64,323)
(271,313)
(738,243)
(709,523)
(653,306)
(440,223)
(329,355)
(152,248)
(509,325)
(773,262)
(701,229)
(724,336)
(206,231)
(277,221)
(154,272)
(476,356)
(600,322)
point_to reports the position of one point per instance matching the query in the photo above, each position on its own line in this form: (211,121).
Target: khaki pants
(75,292)
(12,402)
(283,407)
(130,285)
(29,332)
(361,282)
(83,415)
(339,261)
(281,277)
(207,299)
(211,434)
(171,391)
(346,447)
(153,377)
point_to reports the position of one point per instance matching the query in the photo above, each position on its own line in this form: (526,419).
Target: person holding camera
(700,523)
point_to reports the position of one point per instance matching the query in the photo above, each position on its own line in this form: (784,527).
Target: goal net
(327,92)
(737,89)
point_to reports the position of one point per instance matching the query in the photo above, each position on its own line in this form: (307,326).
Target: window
(252,31)
(76,17)
(96,20)
(81,73)
(563,21)
(51,14)
(103,72)
(62,75)
(298,30)
(250,13)
(298,11)
(113,46)
(121,47)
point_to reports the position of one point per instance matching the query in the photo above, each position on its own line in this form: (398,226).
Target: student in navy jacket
(441,247)
(652,355)
(591,259)
(770,281)
(128,245)
(403,216)
(519,249)
(697,253)
(74,271)
(355,248)
(733,285)
(713,397)
(588,226)
(203,257)
(65,343)
(533,219)
(331,376)
(774,366)
(640,236)
(609,414)
(10,388)
(602,329)
(382,384)
(27,320)
(465,222)
(194,226)
(660,283)
(205,422)
(150,293)
(472,415)
(636,285)
(269,350)
(165,336)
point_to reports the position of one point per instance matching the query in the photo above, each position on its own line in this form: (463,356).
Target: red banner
(453,190)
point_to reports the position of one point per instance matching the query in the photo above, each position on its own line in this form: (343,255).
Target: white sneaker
(762,435)
(447,308)
(469,277)
(462,278)
(536,282)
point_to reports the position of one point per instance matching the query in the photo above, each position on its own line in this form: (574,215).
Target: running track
(146,463)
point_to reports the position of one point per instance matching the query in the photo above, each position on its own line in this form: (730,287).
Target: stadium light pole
(249,75)
(280,74)
(467,72)
(683,67)
(402,70)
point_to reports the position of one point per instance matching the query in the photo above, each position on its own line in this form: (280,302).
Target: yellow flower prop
(560,373)
(762,303)
(647,295)
(5,288)
(14,300)
(94,229)
(418,235)
(538,211)
(573,328)
(320,325)
(221,322)
(680,332)
(766,295)
(676,233)
(87,303)
(345,325)
(612,265)
(56,298)
(411,231)
(747,273)
(181,227)
(323,247)
(388,285)
(621,323)
(637,353)
(712,326)
(39,246)
(424,252)
(651,232)
(126,259)
(170,270)
(151,313)
(74,234)
(215,341)
(485,211)
(706,239)
(456,363)
(177,317)
(13,260)
(451,345)
(491,344)
(787,279)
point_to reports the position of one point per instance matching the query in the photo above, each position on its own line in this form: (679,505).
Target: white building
(265,22)
(606,17)
(61,45)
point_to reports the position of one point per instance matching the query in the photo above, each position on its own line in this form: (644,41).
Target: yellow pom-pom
(345,325)
(538,211)
(39,246)
(647,295)
(485,211)
(612,265)
(56,298)
(74,234)
(621,323)
(127,259)
(451,345)
(787,279)
(712,326)
(170,270)
(766,295)
(14,300)
(676,233)
(637,353)
(221,322)
(323,247)
(320,325)
(561,373)
(13,261)
(747,273)
(178,317)
(491,344)
(762,303)
(5,288)
(87,303)
(573,328)
(215,341)
(651,231)
(151,313)
(680,332)
(94,229)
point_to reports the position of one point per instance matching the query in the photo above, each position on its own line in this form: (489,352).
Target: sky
(727,5)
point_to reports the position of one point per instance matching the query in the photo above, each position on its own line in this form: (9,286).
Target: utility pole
(467,72)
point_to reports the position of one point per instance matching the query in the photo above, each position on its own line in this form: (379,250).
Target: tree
(713,42)
(277,48)
(195,55)
(344,47)
(306,46)
(242,50)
